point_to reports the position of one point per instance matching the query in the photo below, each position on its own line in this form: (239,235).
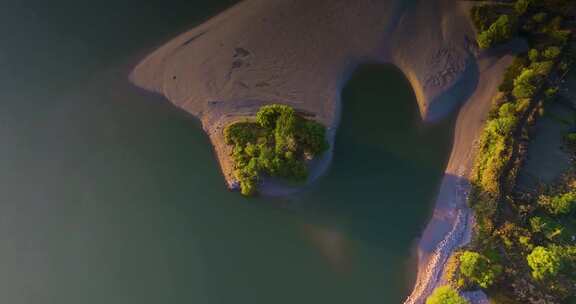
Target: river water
(112,195)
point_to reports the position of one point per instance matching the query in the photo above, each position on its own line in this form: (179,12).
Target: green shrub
(551,92)
(533,55)
(542,68)
(268,115)
(559,204)
(483,15)
(513,71)
(544,262)
(525,84)
(313,136)
(500,31)
(540,17)
(551,52)
(445,295)
(521,6)
(241,133)
(571,139)
(547,226)
(478,268)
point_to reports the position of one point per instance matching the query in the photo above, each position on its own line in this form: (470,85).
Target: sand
(301,52)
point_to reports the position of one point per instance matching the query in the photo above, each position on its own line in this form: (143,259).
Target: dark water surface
(111,195)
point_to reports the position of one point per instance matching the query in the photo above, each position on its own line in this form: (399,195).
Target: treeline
(523,248)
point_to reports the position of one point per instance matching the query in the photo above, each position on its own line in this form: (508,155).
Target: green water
(112,195)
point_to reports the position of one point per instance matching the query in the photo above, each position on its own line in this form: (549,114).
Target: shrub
(445,295)
(540,17)
(478,268)
(559,204)
(521,6)
(551,52)
(543,262)
(313,136)
(483,15)
(268,115)
(513,71)
(240,134)
(546,226)
(500,31)
(571,139)
(533,55)
(542,68)
(525,84)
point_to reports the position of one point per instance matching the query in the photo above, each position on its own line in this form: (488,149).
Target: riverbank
(452,220)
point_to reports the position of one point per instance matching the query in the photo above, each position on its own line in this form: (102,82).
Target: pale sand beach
(301,53)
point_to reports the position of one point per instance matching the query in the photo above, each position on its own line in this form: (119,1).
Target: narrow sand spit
(301,52)
(451,223)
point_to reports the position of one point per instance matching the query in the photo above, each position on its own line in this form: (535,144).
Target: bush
(542,68)
(478,269)
(268,115)
(547,226)
(525,84)
(500,31)
(559,204)
(540,17)
(543,262)
(445,295)
(551,52)
(533,55)
(571,139)
(521,6)
(513,71)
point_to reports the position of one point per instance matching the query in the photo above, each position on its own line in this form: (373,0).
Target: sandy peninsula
(301,52)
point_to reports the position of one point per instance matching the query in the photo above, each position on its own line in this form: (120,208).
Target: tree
(500,31)
(478,268)
(544,262)
(521,6)
(525,84)
(559,204)
(551,52)
(533,55)
(445,295)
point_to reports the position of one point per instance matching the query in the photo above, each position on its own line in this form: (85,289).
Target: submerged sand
(301,52)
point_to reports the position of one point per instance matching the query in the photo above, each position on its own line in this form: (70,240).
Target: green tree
(521,6)
(533,55)
(525,84)
(500,31)
(543,262)
(478,268)
(559,204)
(551,52)
(445,295)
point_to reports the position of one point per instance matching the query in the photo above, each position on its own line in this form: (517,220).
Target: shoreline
(451,224)
(257,53)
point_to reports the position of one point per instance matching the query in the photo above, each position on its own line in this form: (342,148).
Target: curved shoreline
(300,52)
(451,224)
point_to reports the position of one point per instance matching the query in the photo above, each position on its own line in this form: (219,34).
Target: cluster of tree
(277,144)
(523,238)
(502,30)
(499,22)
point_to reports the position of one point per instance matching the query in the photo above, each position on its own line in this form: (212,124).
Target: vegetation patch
(523,248)
(278,143)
